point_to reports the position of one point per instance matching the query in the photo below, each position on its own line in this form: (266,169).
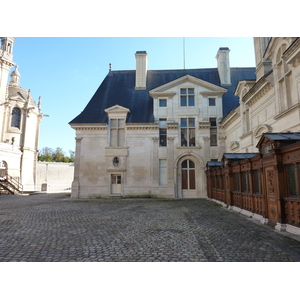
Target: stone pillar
(206,148)
(76,182)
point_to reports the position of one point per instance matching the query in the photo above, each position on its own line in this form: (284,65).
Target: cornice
(292,54)
(229,118)
(161,94)
(297,105)
(261,88)
(142,126)
(96,126)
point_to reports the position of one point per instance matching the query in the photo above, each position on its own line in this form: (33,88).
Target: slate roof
(214,164)
(238,156)
(118,88)
(292,136)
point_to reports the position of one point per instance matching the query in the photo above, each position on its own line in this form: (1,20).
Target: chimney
(223,66)
(141,70)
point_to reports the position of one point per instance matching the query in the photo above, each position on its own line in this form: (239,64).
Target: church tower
(20,119)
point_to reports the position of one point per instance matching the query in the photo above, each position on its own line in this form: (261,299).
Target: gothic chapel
(20,119)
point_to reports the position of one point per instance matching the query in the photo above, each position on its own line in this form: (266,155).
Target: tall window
(292,180)
(213,132)
(16,117)
(256,182)
(187,132)
(245,182)
(284,77)
(188,175)
(162,171)
(162,132)
(117,132)
(187,97)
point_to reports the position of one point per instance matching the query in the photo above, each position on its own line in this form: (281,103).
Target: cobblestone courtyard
(53,227)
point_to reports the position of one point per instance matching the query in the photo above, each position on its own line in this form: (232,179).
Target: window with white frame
(211,101)
(187,127)
(117,132)
(187,97)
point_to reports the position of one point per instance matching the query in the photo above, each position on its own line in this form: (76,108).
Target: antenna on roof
(183,53)
(110,67)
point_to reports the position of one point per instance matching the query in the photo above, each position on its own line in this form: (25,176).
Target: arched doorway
(190,176)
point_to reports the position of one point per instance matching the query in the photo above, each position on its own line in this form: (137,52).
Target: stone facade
(20,119)
(150,133)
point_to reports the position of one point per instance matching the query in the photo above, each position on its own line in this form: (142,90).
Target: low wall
(54,176)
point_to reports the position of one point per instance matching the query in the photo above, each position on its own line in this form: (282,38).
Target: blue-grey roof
(283,136)
(118,88)
(214,164)
(239,156)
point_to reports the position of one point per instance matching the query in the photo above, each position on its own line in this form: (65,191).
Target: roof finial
(39,103)
(110,65)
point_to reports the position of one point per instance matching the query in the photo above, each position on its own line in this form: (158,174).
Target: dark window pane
(292,180)
(191,91)
(212,101)
(191,101)
(162,103)
(192,179)
(183,91)
(191,137)
(183,100)
(184,137)
(191,164)
(184,180)
(183,122)
(213,122)
(184,164)
(16,117)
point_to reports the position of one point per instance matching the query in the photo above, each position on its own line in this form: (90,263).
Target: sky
(66,71)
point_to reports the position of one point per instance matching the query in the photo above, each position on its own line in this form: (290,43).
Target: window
(162,171)
(292,180)
(212,101)
(117,132)
(256,182)
(187,97)
(162,102)
(245,182)
(236,179)
(162,132)
(187,132)
(188,175)
(213,132)
(16,117)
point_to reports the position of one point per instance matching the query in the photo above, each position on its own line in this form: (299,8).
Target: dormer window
(187,97)
(16,117)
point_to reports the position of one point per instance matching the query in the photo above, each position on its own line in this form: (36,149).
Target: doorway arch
(190,179)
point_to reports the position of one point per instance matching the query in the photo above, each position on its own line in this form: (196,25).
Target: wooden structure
(264,185)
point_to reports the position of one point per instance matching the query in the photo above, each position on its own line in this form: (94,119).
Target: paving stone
(53,227)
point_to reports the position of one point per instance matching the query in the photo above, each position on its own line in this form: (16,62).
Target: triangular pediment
(207,87)
(117,109)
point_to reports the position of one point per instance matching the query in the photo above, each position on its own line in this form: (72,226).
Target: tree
(58,155)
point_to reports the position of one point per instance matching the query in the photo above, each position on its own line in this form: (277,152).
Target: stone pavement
(55,228)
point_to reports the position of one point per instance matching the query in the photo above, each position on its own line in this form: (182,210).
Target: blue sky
(66,71)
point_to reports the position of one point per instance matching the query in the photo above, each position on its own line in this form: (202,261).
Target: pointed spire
(15,77)
(40,103)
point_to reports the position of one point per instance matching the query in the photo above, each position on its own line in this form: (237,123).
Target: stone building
(150,132)
(20,119)
(259,174)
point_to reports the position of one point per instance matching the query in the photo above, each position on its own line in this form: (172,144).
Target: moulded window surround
(162,132)
(284,79)
(187,97)
(213,132)
(16,117)
(187,132)
(117,132)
